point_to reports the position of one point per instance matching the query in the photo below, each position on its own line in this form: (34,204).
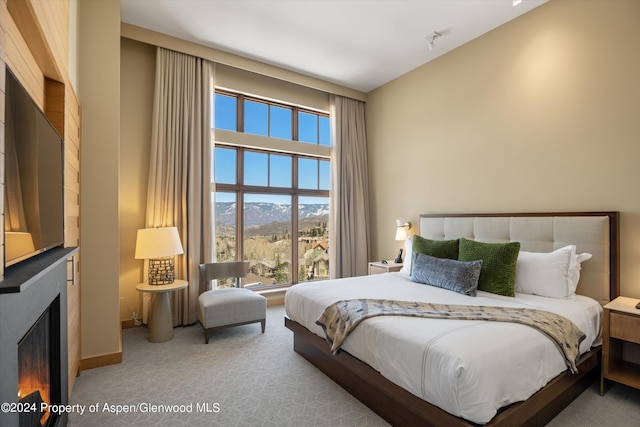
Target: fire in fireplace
(33,340)
(35,371)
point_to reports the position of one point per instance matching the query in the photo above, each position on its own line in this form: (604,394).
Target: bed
(415,375)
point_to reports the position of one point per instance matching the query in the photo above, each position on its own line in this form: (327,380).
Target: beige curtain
(179,192)
(349,217)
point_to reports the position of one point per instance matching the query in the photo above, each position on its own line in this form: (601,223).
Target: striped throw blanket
(340,318)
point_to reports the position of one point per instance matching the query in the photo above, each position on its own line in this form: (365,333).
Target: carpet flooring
(245,378)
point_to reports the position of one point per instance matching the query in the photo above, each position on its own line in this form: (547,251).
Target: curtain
(349,216)
(179,192)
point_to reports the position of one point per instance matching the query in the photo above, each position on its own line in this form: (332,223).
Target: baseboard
(100,361)
(275,300)
(273,296)
(130,323)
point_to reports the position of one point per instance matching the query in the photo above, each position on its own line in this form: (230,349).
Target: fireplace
(33,340)
(38,370)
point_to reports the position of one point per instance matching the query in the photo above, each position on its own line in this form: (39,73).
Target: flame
(31,383)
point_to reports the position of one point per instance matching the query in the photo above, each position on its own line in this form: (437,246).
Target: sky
(271,169)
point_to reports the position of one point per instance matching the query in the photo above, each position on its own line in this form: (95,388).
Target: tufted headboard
(593,232)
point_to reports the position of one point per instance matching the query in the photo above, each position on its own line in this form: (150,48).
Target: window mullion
(240,225)
(240,167)
(240,205)
(294,123)
(240,113)
(268,119)
(294,171)
(294,239)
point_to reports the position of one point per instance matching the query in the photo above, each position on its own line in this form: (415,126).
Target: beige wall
(136,109)
(99,77)
(541,114)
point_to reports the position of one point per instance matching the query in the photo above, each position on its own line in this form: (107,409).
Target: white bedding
(468,368)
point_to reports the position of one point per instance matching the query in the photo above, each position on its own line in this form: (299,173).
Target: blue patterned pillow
(450,274)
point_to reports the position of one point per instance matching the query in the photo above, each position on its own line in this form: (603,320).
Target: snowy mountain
(260,213)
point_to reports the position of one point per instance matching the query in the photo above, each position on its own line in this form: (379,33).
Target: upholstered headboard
(593,232)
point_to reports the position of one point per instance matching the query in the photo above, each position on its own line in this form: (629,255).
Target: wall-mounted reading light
(402,225)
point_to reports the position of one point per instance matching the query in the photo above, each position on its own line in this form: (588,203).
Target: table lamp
(160,246)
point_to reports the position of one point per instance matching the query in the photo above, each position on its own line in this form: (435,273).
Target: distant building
(321,266)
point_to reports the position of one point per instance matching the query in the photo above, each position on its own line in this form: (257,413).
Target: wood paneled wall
(34,43)
(72,225)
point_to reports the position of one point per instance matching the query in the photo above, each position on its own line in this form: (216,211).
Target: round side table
(161,322)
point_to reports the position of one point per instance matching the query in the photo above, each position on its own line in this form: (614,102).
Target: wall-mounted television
(33,176)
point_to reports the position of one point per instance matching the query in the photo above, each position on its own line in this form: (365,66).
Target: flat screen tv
(34,181)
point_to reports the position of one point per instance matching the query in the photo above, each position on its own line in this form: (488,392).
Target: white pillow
(550,274)
(574,270)
(408,252)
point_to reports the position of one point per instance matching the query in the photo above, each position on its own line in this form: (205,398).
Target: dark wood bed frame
(402,408)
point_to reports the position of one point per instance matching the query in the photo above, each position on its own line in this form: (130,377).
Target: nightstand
(621,343)
(161,322)
(378,267)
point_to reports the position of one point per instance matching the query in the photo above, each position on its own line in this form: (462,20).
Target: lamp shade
(157,243)
(402,225)
(401,233)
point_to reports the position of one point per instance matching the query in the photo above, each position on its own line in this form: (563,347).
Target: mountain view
(268,242)
(261,213)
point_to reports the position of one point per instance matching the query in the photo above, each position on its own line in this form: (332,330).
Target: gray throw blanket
(340,318)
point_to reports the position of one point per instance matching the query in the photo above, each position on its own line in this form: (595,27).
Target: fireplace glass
(34,373)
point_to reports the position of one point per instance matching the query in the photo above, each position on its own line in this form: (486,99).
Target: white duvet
(468,368)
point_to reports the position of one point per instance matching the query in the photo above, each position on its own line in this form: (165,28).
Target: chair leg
(206,336)
(263,322)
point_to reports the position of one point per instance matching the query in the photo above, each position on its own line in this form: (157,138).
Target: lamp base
(161,271)
(398,259)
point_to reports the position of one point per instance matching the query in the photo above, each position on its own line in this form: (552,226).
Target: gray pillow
(453,275)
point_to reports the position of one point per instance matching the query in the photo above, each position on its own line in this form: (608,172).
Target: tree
(279,273)
(302,275)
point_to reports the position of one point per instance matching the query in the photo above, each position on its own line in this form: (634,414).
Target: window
(313,128)
(271,205)
(225,112)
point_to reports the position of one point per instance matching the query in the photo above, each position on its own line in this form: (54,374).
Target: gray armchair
(227,307)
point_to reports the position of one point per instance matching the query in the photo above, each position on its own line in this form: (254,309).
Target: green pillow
(498,273)
(435,248)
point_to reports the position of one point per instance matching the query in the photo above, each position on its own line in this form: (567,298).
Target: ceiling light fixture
(431,38)
(516,2)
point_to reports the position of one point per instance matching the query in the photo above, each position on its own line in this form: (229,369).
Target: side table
(621,343)
(379,267)
(161,322)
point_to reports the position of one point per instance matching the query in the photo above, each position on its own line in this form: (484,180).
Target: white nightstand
(161,322)
(621,343)
(378,267)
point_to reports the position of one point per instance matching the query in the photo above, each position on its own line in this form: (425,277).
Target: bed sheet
(467,368)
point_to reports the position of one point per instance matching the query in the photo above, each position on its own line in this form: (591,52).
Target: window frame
(295,109)
(243,142)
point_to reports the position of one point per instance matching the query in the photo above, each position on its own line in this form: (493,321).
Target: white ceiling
(360,44)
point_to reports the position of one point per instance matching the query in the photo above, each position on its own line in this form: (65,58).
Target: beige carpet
(245,378)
